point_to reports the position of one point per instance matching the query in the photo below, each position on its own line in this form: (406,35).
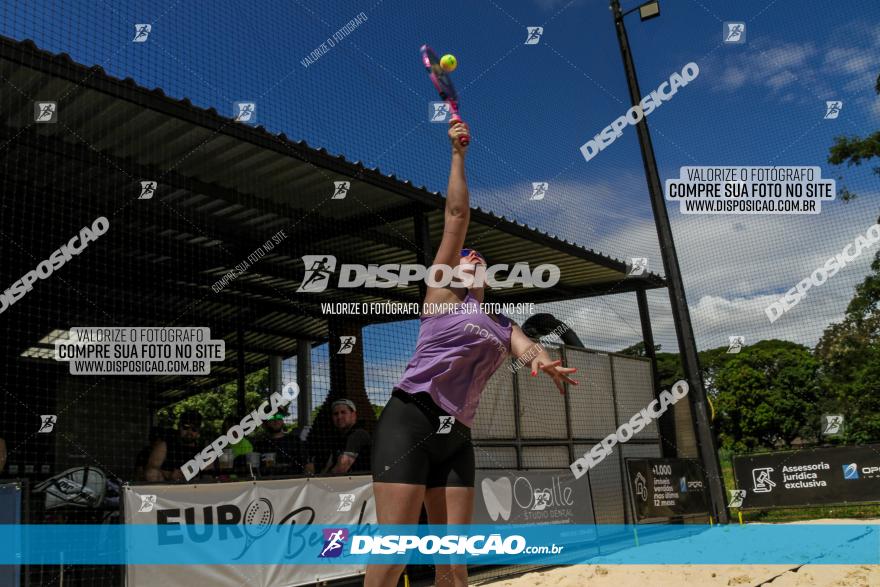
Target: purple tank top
(455,356)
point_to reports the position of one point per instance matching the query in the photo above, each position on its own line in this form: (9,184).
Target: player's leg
(400,472)
(452,503)
(396,503)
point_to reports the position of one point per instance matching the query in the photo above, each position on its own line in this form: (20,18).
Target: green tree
(850,350)
(377,409)
(766,394)
(215,405)
(850,355)
(854,151)
(638,349)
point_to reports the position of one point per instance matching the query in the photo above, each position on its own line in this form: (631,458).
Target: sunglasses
(466,252)
(190,428)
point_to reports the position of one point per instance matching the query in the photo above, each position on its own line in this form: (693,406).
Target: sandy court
(605,575)
(700,575)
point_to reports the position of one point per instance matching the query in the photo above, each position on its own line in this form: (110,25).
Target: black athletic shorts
(408,447)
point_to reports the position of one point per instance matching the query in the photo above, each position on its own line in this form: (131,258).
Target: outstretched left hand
(555,370)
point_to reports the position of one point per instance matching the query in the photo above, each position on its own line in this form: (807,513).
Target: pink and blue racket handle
(455,119)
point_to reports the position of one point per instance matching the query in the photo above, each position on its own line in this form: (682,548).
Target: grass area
(792,514)
(812,513)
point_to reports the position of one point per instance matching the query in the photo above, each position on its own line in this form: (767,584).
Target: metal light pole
(683,329)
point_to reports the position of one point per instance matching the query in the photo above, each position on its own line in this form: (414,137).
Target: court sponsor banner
(549,496)
(243,518)
(10,513)
(666,488)
(531,497)
(840,474)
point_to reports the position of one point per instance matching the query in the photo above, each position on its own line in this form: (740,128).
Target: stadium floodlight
(649,10)
(675,286)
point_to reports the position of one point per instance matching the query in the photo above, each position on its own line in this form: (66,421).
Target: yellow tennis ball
(448,62)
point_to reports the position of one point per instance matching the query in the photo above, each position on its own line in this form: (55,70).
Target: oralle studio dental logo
(517,494)
(498,497)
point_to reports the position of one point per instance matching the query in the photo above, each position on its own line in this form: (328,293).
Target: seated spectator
(168,455)
(143,456)
(243,446)
(350,445)
(285,447)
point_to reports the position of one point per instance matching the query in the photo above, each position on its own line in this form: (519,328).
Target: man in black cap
(169,455)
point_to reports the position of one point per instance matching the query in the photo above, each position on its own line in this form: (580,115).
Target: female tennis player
(418,457)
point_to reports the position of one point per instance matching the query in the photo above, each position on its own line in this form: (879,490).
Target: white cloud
(773,66)
(848,60)
(599,207)
(733,78)
(814,72)
(786,56)
(554,4)
(733,268)
(781,79)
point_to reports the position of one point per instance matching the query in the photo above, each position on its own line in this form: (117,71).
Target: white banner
(284,504)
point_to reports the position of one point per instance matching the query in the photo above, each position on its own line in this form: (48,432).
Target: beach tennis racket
(443,83)
(257,522)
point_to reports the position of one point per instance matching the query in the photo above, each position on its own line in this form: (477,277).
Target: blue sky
(531,107)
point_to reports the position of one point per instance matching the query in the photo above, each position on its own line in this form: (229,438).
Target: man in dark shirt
(285,447)
(350,446)
(169,455)
(141,459)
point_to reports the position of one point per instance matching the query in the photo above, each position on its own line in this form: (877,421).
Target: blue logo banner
(183,544)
